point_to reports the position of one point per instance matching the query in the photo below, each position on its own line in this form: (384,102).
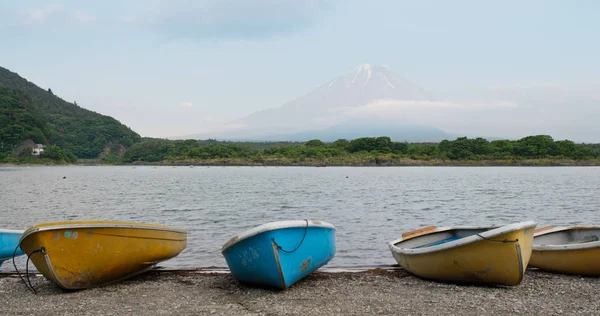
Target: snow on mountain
(359,87)
(327,105)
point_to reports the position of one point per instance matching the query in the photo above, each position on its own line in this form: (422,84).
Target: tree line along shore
(538,150)
(38,127)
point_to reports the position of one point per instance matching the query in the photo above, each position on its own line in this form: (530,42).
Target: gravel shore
(374,292)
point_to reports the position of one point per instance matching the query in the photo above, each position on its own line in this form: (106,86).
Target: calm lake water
(368,206)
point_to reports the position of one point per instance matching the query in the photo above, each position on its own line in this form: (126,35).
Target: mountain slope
(329,105)
(359,87)
(357,128)
(19,120)
(85,133)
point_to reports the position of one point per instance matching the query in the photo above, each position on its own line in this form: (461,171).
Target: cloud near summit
(52,14)
(233,19)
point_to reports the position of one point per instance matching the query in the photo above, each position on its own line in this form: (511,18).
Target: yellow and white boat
(479,255)
(568,250)
(84,254)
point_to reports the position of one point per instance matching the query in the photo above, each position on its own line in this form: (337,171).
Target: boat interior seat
(567,237)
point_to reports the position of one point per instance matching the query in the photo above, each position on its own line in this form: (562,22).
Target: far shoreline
(322,164)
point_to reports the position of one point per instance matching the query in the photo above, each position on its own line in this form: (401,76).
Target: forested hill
(85,133)
(20,120)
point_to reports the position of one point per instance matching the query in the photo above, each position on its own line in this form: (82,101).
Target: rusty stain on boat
(305,264)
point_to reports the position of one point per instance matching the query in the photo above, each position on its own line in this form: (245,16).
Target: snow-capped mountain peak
(326,105)
(370,82)
(363,85)
(366,68)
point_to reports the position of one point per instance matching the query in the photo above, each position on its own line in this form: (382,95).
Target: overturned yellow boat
(568,250)
(480,255)
(84,254)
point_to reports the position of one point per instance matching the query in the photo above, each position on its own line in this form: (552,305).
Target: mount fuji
(324,112)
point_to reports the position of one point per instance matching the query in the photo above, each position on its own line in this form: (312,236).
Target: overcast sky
(178,67)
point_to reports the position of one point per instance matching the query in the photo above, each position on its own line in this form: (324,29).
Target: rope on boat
(41,250)
(28,283)
(300,244)
(502,241)
(16,269)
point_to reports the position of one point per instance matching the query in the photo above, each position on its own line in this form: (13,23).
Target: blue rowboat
(9,239)
(278,254)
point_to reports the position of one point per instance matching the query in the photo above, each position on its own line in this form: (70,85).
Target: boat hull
(9,240)
(258,259)
(585,262)
(484,261)
(568,250)
(79,255)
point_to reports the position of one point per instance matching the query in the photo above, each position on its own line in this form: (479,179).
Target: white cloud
(55,14)
(42,15)
(401,108)
(36,15)
(83,17)
(186,104)
(231,18)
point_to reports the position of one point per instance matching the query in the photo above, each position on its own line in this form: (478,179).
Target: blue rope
(297,247)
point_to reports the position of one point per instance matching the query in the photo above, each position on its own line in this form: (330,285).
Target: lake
(369,206)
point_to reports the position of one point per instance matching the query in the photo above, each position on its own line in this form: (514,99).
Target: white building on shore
(37,149)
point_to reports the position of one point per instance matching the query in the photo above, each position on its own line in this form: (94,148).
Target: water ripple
(369,208)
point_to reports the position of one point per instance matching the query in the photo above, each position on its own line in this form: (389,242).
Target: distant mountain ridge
(85,133)
(359,87)
(323,111)
(357,128)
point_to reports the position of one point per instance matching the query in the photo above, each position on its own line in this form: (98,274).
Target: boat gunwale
(273,226)
(32,231)
(565,247)
(492,232)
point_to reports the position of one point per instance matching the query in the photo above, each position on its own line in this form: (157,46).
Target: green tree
(58,154)
(314,143)
(458,149)
(25,153)
(539,146)
(341,143)
(480,146)
(19,120)
(399,148)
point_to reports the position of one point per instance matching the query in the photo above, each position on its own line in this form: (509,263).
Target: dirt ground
(374,292)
